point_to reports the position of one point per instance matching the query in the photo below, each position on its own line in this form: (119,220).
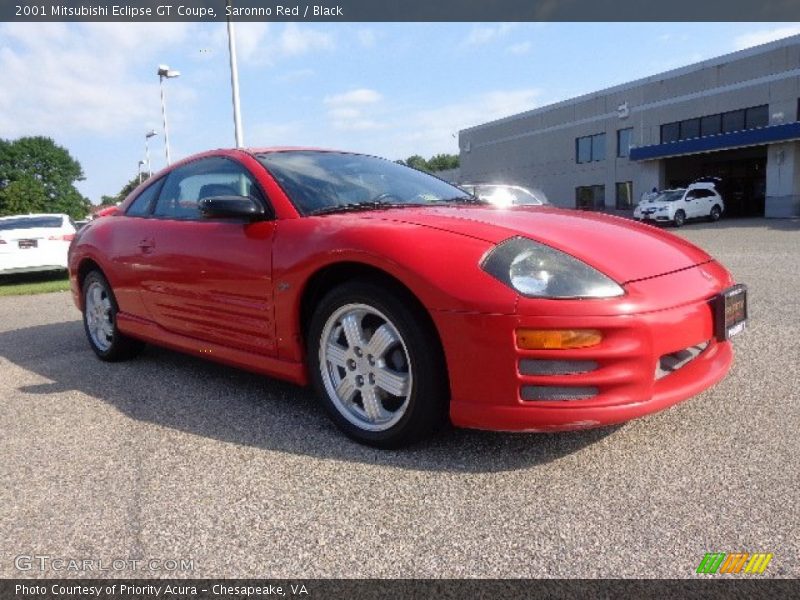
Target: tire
(376,366)
(679,219)
(100,321)
(715,214)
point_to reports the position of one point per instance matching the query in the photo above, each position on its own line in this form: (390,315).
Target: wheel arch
(86,266)
(330,276)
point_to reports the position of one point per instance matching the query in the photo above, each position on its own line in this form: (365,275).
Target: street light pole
(237,119)
(141,163)
(147,137)
(164,72)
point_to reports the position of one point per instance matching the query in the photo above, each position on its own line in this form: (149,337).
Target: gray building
(734,117)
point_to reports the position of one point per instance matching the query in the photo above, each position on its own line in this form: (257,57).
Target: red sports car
(403,299)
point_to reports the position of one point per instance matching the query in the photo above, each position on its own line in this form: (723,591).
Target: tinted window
(583,149)
(711,125)
(599,147)
(690,129)
(205,178)
(624,138)
(31,222)
(319,181)
(590,197)
(142,204)
(670,132)
(733,121)
(758,116)
(624,195)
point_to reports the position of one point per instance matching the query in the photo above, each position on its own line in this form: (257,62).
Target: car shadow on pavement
(203,398)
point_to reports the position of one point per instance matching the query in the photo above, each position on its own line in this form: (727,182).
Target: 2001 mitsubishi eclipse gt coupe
(403,299)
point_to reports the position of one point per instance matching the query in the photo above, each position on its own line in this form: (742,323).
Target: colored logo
(741,562)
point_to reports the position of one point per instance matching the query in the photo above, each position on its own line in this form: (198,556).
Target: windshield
(30,222)
(670,196)
(320,182)
(508,195)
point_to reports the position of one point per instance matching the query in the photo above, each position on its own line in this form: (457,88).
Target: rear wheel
(100,321)
(679,219)
(715,214)
(377,368)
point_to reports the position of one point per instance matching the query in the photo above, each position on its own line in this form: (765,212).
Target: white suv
(698,201)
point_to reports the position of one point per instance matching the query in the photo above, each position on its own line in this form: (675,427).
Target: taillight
(67,237)
(2,241)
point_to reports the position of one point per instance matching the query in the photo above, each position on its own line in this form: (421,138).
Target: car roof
(32,215)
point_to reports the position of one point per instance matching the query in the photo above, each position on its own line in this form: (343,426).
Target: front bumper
(488,386)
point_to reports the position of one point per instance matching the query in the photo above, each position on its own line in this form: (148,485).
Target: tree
(443,162)
(37,175)
(122,194)
(440,162)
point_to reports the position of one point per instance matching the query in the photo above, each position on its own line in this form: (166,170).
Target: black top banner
(405,10)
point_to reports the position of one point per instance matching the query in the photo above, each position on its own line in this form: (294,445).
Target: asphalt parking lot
(169,457)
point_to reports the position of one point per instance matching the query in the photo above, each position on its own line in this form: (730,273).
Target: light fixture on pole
(237,119)
(147,137)
(165,72)
(141,164)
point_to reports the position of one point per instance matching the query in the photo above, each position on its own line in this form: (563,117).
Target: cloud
(84,78)
(482,34)
(367,37)
(521,48)
(763,36)
(259,42)
(354,110)
(435,130)
(358,96)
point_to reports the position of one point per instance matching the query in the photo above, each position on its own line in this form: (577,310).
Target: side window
(141,205)
(204,178)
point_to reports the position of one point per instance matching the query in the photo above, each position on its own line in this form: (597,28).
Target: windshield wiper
(465,200)
(356,206)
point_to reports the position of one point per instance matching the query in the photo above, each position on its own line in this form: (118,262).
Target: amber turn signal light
(557,339)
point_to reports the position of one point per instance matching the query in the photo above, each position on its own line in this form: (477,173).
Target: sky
(391,90)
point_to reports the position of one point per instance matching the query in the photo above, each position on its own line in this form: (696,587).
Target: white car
(698,201)
(35,242)
(505,195)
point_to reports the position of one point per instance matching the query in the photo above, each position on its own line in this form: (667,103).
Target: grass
(24,284)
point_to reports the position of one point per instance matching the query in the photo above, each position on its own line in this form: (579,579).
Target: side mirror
(243,207)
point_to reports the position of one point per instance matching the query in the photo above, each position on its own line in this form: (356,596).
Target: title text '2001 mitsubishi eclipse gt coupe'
(403,299)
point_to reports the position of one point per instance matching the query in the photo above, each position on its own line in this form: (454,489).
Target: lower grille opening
(669,363)
(530,366)
(553,393)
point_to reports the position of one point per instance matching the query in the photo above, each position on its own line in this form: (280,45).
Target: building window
(671,132)
(757,116)
(624,139)
(733,121)
(590,197)
(711,125)
(690,128)
(624,195)
(728,122)
(590,148)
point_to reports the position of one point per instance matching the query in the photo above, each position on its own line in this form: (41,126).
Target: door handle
(147,245)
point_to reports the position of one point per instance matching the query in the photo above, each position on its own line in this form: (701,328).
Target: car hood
(622,249)
(651,204)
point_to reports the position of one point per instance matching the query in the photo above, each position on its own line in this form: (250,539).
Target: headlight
(540,271)
(662,209)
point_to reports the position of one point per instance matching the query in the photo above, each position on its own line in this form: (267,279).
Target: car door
(692,204)
(209,279)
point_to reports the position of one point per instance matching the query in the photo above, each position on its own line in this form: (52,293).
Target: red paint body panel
(233,292)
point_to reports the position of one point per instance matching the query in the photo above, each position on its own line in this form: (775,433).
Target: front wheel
(679,219)
(715,214)
(100,321)
(377,368)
